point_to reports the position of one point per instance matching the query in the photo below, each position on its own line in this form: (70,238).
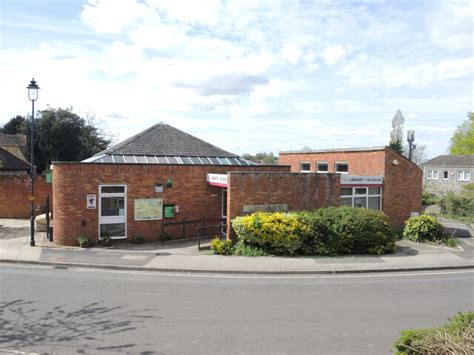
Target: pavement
(183,256)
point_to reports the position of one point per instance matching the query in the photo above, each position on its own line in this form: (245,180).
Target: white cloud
(291,53)
(112,16)
(333,54)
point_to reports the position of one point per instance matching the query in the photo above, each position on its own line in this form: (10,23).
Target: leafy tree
(265,158)
(396,133)
(419,154)
(462,141)
(59,135)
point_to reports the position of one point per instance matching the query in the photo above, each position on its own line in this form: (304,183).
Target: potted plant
(165,236)
(84,241)
(137,239)
(105,240)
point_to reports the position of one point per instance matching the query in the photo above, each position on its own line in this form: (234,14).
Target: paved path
(183,256)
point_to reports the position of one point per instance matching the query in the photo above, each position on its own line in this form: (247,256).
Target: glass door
(113,211)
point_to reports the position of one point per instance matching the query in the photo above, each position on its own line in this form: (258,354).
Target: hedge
(325,231)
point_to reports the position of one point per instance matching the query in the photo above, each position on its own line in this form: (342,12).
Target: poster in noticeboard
(148,209)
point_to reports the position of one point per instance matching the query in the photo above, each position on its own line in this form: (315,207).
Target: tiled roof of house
(164,140)
(163,144)
(12,140)
(9,162)
(452,161)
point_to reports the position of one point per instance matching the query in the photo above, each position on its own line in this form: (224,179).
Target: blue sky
(247,76)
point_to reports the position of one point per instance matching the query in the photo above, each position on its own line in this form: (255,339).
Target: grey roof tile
(12,140)
(452,160)
(9,162)
(165,140)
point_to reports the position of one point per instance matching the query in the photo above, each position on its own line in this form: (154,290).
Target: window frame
(466,175)
(367,195)
(337,163)
(445,172)
(432,175)
(322,163)
(301,167)
(121,219)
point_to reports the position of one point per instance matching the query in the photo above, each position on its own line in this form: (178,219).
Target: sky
(247,76)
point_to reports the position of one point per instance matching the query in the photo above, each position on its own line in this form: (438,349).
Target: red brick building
(377,178)
(159,178)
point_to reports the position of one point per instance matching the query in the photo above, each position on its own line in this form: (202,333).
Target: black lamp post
(33,96)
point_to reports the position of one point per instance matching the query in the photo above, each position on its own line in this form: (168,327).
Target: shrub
(276,233)
(137,239)
(458,205)
(428,199)
(455,337)
(326,231)
(165,236)
(221,247)
(84,241)
(247,250)
(423,228)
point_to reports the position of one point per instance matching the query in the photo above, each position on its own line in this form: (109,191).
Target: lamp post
(32,96)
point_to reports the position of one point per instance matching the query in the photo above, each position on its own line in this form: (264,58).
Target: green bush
(455,337)
(458,205)
(247,250)
(428,199)
(326,231)
(221,247)
(423,228)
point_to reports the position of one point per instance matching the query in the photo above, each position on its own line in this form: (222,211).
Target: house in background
(12,154)
(448,173)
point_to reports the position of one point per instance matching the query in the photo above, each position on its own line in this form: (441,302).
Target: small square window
(322,167)
(305,167)
(342,168)
(445,175)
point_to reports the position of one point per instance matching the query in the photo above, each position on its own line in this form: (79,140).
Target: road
(45,309)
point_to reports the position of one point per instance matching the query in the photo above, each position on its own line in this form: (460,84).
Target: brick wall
(14,192)
(403,184)
(360,162)
(195,198)
(297,190)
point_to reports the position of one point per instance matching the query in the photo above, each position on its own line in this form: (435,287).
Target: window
(305,167)
(432,174)
(362,197)
(342,168)
(445,175)
(464,175)
(224,203)
(322,167)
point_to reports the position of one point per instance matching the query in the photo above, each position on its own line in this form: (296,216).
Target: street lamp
(32,96)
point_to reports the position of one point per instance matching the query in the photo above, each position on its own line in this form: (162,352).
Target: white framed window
(361,197)
(341,167)
(432,174)
(305,167)
(445,175)
(322,167)
(113,211)
(464,175)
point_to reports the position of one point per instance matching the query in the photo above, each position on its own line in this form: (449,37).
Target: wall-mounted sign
(91,201)
(148,209)
(217,180)
(354,180)
(266,208)
(159,188)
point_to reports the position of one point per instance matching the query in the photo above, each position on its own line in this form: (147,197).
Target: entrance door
(113,211)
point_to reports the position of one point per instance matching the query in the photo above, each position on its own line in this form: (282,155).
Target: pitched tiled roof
(9,162)
(452,160)
(164,140)
(12,140)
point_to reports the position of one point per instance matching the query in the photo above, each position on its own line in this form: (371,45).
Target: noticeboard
(148,209)
(169,211)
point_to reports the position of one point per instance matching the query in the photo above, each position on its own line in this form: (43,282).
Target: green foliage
(221,247)
(450,242)
(326,231)
(455,337)
(247,250)
(165,237)
(264,158)
(84,241)
(60,135)
(423,228)
(396,133)
(428,199)
(462,141)
(459,205)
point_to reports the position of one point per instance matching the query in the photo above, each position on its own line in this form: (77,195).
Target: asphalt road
(97,311)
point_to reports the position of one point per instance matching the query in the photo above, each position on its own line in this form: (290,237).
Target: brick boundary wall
(299,191)
(195,198)
(14,192)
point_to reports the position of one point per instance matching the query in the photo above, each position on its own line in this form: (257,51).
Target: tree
(462,141)
(419,155)
(60,135)
(396,133)
(265,158)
